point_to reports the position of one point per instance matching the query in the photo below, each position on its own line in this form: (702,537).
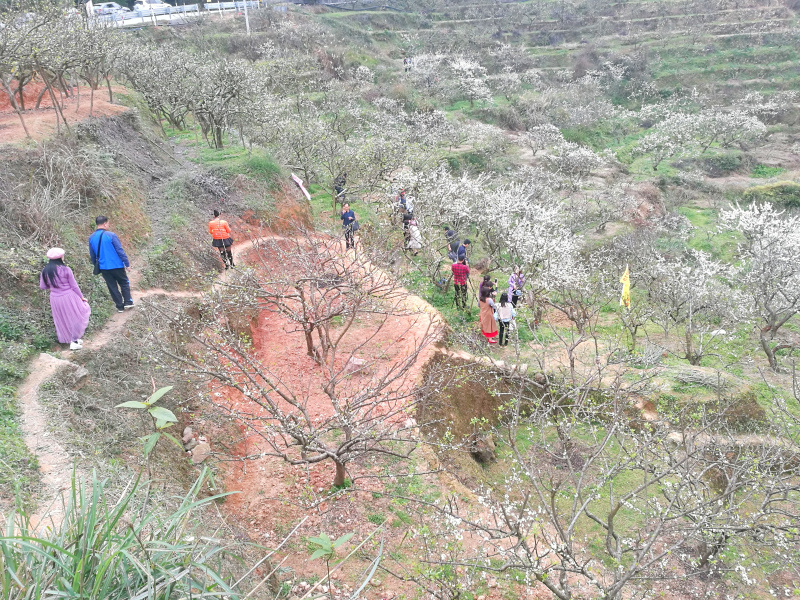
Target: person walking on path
(107,255)
(452,243)
(339,185)
(505,315)
(407,218)
(70,309)
(488,322)
(348,217)
(460,274)
(515,284)
(414,237)
(221,239)
(462,251)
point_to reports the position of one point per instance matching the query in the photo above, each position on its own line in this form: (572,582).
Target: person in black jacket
(348,217)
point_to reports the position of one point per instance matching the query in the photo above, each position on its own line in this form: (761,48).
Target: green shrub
(765,172)
(721,164)
(781,193)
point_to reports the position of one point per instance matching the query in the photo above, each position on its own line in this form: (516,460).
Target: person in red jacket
(460,274)
(221,233)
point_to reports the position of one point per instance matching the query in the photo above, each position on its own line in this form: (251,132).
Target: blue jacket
(112,256)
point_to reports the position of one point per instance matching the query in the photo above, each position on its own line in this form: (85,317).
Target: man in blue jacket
(106,250)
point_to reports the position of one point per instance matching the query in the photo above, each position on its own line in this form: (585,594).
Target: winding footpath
(55,463)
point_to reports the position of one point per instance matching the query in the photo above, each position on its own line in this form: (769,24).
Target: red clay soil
(268,486)
(41,123)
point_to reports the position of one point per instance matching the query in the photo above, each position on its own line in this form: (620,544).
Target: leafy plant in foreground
(107,548)
(162,418)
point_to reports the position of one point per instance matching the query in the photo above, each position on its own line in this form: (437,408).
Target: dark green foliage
(765,172)
(781,193)
(721,164)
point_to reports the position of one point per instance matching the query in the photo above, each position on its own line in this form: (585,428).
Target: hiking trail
(55,463)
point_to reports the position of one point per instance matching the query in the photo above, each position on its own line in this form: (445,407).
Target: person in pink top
(70,309)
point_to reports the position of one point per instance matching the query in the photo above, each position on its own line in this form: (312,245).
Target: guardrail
(143,17)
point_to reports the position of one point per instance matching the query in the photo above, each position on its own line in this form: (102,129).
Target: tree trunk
(338,480)
(773,361)
(55,102)
(690,354)
(39,99)
(21,93)
(110,93)
(16,108)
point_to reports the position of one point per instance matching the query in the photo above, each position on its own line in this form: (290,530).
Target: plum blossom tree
(689,292)
(573,163)
(469,79)
(597,505)
(540,137)
(770,269)
(346,407)
(691,134)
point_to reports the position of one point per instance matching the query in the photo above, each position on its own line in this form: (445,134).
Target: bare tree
(345,408)
(597,503)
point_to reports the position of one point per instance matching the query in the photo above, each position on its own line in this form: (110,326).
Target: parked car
(107,8)
(156,7)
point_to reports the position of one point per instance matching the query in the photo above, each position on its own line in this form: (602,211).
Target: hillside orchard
(640,451)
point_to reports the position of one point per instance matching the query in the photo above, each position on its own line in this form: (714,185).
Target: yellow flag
(625,280)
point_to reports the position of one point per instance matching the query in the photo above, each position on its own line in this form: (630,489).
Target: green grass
(91,555)
(376,518)
(765,172)
(705,236)
(18,467)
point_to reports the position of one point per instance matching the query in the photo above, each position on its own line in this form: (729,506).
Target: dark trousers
(226,256)
(503,328)
(461,295)
(118,286)
(514,299)
(348,237)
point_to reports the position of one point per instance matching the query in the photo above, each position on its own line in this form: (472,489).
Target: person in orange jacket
(221,232)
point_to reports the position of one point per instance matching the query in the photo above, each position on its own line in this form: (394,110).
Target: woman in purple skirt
(70,309)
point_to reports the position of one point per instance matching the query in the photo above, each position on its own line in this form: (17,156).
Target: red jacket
(219,229)
(460,273)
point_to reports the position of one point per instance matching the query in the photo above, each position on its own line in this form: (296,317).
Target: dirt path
(56,464)
(41,122)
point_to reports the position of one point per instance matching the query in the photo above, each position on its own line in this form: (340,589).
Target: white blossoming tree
(770,269)
(691,134)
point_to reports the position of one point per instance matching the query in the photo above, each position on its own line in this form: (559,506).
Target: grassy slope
(162,227)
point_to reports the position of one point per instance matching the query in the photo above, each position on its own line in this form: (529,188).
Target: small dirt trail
(55,463)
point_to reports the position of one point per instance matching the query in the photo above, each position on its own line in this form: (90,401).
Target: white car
(156,7)
(107,8)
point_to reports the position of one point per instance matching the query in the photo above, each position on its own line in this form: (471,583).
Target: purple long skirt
(70,315)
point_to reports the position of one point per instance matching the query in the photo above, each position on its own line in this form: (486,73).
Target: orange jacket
(219,229)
